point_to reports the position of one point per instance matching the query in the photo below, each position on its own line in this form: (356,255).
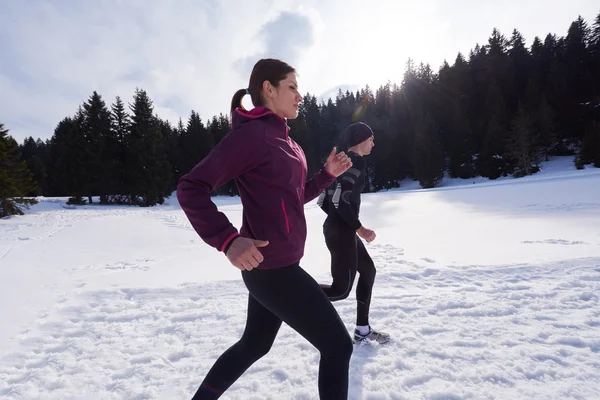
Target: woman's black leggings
(349,256)
(289,295)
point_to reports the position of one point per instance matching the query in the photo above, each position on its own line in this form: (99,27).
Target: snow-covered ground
(490,290)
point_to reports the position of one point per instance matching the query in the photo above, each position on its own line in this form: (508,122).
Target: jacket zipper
(287,221)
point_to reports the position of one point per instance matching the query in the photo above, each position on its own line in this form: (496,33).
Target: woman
(270,173)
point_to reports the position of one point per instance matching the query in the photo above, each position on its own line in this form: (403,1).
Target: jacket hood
(241,117)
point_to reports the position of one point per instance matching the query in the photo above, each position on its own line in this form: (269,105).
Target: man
(342,229)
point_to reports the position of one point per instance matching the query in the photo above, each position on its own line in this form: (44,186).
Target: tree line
(499,110)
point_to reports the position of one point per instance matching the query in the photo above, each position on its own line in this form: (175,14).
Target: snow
(489,289)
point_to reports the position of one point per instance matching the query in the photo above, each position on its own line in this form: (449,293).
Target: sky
(193,55)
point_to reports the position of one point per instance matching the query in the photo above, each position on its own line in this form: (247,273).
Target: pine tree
(594,134)
(428,155)
(477,103)
(68,152)
(461,164)
(180,167)
(454,85)
(101,149)
(45,155)
(595,32)
(545,127)
(196,142)
(32,153)
(330,131)
(576,63)
(397,156)
(491,162)
(590,149)
(595,63)
(313,125)
(180,128)
(520,63)
(38,171)
(496,88)
(577,57)
(120,122)
(148,173)
(497,62)
(15,178)
(521,146)
(189,142)
(173,135)
(305,131)
(386,157)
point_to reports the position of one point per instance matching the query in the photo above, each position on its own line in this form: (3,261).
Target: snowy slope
(490,290)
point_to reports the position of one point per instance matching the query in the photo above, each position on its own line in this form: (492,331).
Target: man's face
(367,146)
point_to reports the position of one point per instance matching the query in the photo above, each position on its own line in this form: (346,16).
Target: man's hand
(366,234)
(243,253)
(337,164)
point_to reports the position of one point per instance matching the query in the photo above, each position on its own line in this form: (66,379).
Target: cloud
(286,37)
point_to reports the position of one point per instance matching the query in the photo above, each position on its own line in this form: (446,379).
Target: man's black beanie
(357,133)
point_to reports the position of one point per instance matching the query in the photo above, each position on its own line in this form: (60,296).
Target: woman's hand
(337,164)
(243,253)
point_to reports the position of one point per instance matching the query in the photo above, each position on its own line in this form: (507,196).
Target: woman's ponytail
(236,100)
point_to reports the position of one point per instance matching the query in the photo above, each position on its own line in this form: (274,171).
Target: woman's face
(285,99)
